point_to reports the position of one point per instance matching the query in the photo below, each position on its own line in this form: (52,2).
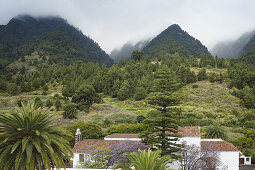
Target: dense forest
(61,69)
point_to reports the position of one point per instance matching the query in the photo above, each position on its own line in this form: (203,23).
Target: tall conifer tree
(163,123)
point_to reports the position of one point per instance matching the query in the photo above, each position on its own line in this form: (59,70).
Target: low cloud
(113,22)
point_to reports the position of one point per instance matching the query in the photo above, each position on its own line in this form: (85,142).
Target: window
(247,159)
(81,157)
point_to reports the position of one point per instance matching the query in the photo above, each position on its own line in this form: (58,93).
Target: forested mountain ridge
(52,37)
(175,40)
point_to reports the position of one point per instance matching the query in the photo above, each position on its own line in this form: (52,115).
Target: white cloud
(113,22)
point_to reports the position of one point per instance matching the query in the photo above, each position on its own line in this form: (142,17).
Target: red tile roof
(220,145)
(87,145)
(189,131)
(122,135)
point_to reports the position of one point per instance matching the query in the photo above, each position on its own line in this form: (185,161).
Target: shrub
(126,128)
(205,122)
(70,111)
(89,130)
(38,102)
(49,103)
(194,86)
(57,104)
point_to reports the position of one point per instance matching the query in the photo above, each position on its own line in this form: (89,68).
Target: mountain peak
(29,18)
(52,36)
(175,40)
(174,26)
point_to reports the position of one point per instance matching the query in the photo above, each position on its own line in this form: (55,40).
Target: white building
(227,152)
(229,155)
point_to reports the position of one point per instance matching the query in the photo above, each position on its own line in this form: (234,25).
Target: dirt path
(91,112)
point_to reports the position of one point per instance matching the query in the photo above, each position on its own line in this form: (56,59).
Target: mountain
(51,37)
(126,50)
(233,49)
(173,40)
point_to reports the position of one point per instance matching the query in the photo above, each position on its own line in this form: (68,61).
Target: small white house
(244,160)
(82,148)
(228,153)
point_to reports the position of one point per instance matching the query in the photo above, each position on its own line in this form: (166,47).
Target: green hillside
(50,36)
(209,98)
(174,40)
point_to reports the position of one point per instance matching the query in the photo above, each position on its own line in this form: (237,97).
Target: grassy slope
(212,101)
(209,97)
(208,101)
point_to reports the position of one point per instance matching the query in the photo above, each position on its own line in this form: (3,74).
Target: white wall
(229,160)
(191,140)
(133,139)
(76,159)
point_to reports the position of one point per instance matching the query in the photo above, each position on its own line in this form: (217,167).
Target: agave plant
(29,140)
(146,160)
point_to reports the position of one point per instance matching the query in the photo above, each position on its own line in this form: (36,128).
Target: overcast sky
(112,23)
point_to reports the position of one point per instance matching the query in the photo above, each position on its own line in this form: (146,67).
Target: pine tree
(163,123)
(124,91)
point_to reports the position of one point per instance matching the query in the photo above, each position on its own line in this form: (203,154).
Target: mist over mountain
(174,40)
(52,37)
(233,49)
(125,51)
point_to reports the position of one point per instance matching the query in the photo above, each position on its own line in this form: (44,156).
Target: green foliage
(36,83)
(124,91)
(52,37)
(164,120)
(3,85)
(136,55)
(247,143)
(45,87)
(58,104)
(85,96)
(49,102)
(88,130)
(126,128)
(215,131)
(31,141)
(13,89)
(247,95)
(70,111)
(202,75)
(186,75)
(241,75)
(146,160)
(207,60)
(140,93)
(140,118)
(38,102)
(174,40)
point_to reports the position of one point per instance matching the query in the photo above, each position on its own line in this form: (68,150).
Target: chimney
(78,135)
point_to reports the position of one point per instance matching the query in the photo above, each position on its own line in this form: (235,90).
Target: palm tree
(146,160)
(215,131)
(30,140)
